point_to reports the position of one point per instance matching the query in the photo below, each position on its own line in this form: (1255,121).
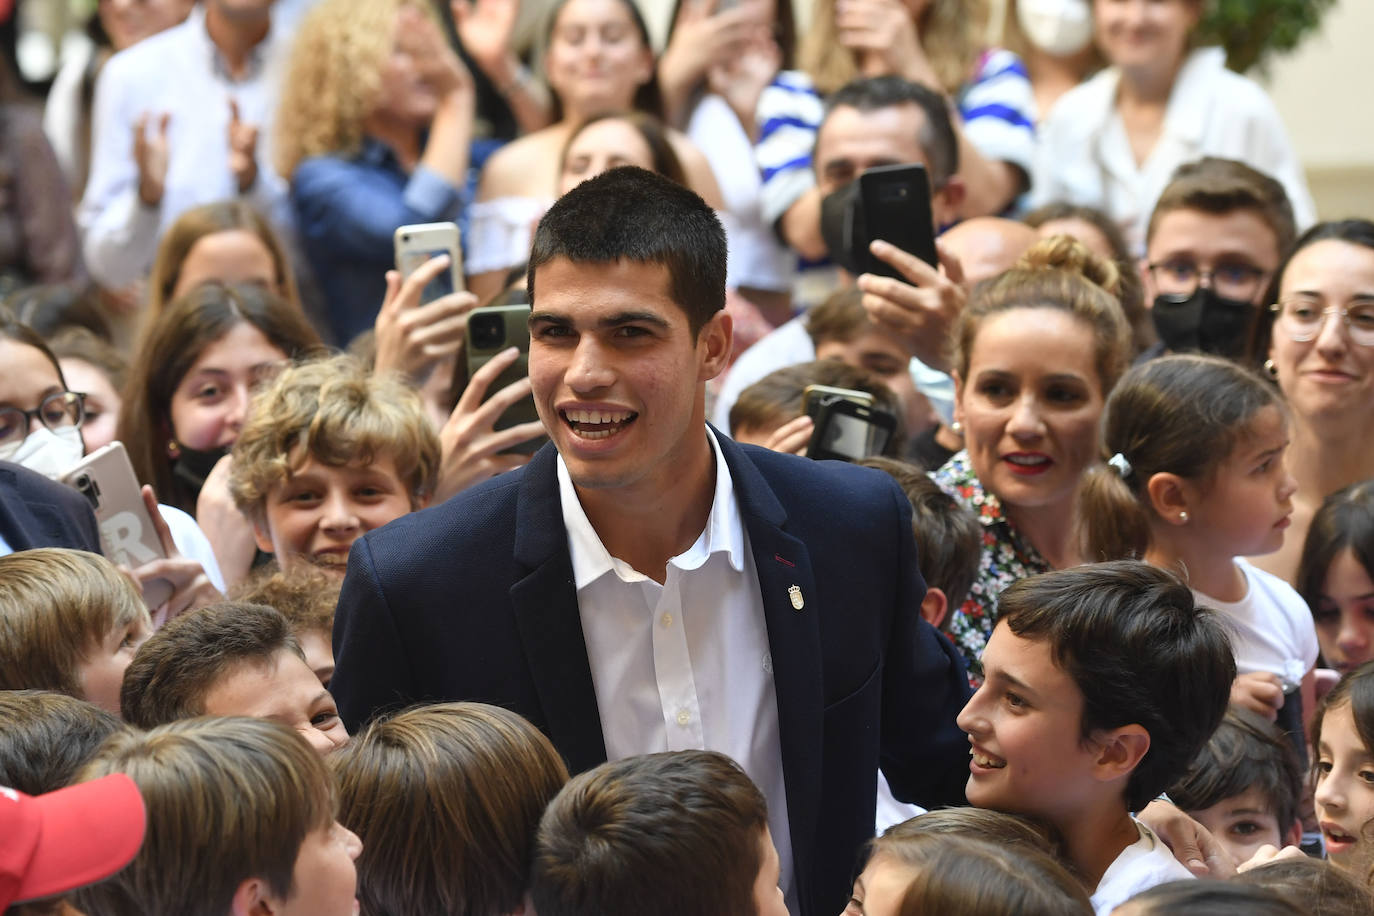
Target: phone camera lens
(488,331)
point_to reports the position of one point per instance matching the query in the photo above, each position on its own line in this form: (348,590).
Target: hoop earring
(1270,369)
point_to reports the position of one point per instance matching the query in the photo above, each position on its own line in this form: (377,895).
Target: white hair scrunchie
(1123,467)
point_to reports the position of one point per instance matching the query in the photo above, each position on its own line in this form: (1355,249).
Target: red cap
(63,840)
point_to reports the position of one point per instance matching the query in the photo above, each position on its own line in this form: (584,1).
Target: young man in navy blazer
(645,584)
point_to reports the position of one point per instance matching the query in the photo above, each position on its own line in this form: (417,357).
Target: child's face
(325,879)
(767,894)
(1345,792)
(319,654)
(316,513)
(1344,614)
(879,890)
(285,690)
(1024,727)
(1246,506)
(1243,823)
(101,672)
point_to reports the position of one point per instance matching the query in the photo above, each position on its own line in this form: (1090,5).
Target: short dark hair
(937,138)
(46,738)
(1215,898)
(631,214)
(676,833)
(1221,186)
(1140,652)
(1245,752)
(949,538)
(180,663)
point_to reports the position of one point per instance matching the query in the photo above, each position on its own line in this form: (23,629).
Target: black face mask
(192,466)
(1204,323)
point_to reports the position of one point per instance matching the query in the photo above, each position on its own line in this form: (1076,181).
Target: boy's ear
(934,607)
(1120,751)
(263,536)
(1294,835)
(1169,496)
(252,898)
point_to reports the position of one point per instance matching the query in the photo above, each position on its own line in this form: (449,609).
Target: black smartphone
(850,431)
(492,329)
(896,209)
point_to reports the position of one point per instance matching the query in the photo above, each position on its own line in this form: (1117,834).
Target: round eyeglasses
(1302,320)
(59,410)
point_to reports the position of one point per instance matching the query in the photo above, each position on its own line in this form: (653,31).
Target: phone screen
(440,286)
(853,437)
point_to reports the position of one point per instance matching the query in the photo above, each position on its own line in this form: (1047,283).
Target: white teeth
(1027,460)
(597,416)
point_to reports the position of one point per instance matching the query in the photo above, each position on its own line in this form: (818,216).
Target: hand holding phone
(412,337)
(418,243)
(850,431)
(471,449)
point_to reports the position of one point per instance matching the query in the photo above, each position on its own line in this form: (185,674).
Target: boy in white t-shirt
(1103,682)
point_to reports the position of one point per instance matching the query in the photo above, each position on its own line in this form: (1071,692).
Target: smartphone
(896,209)
(494,328)
(816,396)
(850,431)
(417,243)
(106,478)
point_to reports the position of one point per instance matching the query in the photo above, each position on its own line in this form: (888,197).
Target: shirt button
(683,717)
(666,619)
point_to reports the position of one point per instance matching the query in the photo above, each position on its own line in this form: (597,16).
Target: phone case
(815,396)
(850,432)
(896,209)
(415,244)
(492,329)
(106,478)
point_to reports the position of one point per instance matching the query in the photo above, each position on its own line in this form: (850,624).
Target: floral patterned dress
(1007,556)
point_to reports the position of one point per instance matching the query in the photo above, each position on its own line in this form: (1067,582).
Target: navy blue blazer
(474,600)
(38,512)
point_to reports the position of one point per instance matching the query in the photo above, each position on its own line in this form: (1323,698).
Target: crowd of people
(300,613)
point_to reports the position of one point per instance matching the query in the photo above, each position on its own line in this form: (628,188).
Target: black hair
(1245,752)
(630,214)
(1209,897)
(937,137)
(1352,231)
(1344,521)
(1140,651)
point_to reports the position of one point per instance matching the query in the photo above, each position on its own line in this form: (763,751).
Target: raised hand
(412,337)
(150,156)
(469,445)
(485,28)
(742,79)
(191,587)
(917,313)
(243,147)
(884,35)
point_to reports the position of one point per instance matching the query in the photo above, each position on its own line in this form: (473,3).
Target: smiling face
(618,376)
(285,690)
(597,58)
(1144,34)
(1246,505)
(1243,823)
(1330,374)
(603,145)
(1030,405)
(1344,614)
(1345,792)
(209,404)
(1024,727)
(315,514)
(404,94)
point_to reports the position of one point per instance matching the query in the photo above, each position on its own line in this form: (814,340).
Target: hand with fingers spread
(150,155)
(703,38)
(243,149)
(884,36)
(412,337)
(191,587)
(792,437)
(485,28)
(920,312)
(742,79)
(470,446)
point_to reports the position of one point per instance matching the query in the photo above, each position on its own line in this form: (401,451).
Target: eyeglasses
(1302,320)
(60,410)
(1182,277)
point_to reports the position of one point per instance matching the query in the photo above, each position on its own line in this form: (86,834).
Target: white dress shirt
(182,72)
(684,664)
(1085,156)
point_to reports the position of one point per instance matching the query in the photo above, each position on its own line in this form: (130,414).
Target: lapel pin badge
(794,592)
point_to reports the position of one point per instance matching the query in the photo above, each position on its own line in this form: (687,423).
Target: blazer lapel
(546,615)
(785,580)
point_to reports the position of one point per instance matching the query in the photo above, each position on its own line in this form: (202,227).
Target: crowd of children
(1133,429)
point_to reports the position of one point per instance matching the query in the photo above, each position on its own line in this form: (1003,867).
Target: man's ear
(714,341)
(252,898)
(934,607)
(1169,496)
(948,201)
(1120,750)
(263,535)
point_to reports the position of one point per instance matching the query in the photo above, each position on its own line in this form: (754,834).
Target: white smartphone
(106,478)
(416,244)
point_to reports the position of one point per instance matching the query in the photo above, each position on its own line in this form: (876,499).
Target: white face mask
(1060,28)
(45,451)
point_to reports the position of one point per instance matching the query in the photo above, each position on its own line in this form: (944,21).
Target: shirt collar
(724,531)
(257,57)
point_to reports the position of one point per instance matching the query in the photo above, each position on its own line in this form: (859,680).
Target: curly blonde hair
(1060,273)
(334,77)
(951,33)
(337,412)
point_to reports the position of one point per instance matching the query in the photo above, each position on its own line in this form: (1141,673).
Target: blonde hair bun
(1064,252)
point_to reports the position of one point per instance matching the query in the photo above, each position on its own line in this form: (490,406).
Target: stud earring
(173,449)
(1270,369)
(1183,517)
(957,428)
